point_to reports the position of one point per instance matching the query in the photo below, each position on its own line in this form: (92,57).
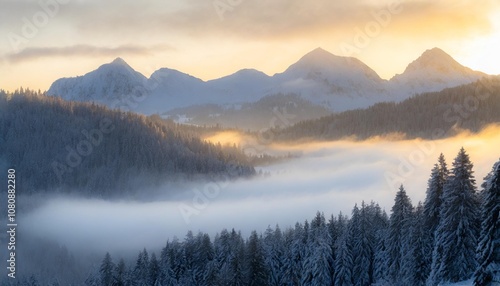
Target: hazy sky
(44,40)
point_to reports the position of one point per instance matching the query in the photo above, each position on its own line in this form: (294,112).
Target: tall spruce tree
(413,265)
(256,274)
(344,259)
(363,248)
(398,230)
(106,270)
(432,209)
(456,235)
(488,251)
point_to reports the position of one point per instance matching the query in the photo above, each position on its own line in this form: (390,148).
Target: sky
(43,40)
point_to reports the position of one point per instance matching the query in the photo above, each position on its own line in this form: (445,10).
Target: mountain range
(333,82)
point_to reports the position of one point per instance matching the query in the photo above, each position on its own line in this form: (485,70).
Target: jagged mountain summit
(335,82)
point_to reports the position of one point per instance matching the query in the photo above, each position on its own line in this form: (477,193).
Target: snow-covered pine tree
(320,260)
(344,260)
(456,235)
(488,251)
(256,273)
(120,273)
(273,248)
(432,208)
(398,231)
(381,259)
(236,259)
(204,254)
(294,265)
(154,270)
(363,247)
(106,270)
(412,267)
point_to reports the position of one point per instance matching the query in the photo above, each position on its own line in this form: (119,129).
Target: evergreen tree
(381,259)
(432,208)
(344,260)
(154,271)
(274,255)
(106,270)
(456,235)
(120,273)
(363,247)
(398,230)
(204,254)
(488,251)
(413,265)
(319,262)
(257,274)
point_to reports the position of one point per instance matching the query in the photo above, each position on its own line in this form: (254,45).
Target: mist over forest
(141,192)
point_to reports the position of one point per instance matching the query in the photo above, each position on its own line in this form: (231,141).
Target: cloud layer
(330,177)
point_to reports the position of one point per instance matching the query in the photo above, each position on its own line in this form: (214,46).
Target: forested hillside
(56,144)
(430,115)
(427,243)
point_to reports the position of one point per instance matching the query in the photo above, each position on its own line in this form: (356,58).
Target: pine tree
(381,260)
(344,261)
(398,231)
(257,274)
(432,208)
(413,265)
(320,260)
(204,254)
(106,270)
(363,247)
(274,254)
(120,273)
(154,270)
(456,235)
(488,250)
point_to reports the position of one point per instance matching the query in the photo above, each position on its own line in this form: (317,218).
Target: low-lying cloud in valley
(329,177)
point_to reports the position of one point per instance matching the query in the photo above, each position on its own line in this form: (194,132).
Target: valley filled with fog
(329,177)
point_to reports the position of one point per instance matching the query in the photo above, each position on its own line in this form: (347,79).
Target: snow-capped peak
(329,66)
(119,61)
(434,70)
(436,60)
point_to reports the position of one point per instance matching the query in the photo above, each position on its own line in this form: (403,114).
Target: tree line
(454,235)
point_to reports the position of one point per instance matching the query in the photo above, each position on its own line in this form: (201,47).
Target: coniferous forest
(433,115)
(454,235)
(80,146)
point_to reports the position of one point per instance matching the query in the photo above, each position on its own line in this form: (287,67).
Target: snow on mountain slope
(109,83)
(340,83)
(337,83)
(434,70)
(246,85)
